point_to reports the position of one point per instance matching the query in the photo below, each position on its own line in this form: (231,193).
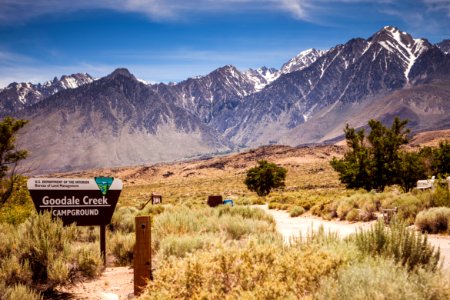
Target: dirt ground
(116,283)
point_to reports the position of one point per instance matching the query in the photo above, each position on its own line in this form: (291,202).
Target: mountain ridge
(309,100)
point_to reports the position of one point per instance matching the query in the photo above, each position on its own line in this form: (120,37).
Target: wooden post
(142,257)
(103,243)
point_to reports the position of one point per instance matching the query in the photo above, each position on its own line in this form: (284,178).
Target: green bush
(407,247)
(297,211)
(375,278)
(434,220)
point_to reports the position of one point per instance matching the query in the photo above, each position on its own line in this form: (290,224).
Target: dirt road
(294,227)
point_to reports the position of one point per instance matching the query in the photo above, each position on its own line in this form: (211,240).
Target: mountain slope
(113,121)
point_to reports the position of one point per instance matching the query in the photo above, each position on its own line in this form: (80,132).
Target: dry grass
(191,182)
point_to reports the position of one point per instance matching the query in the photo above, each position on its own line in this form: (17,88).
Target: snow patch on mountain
(403,45)
(302,60)
(261,77)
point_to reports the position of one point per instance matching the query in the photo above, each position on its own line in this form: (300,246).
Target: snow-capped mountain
(261,77)
(301,61)
(17,96)
(318,100)
(118,120)
(401,45)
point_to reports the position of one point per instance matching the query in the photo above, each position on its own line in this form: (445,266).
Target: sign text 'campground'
(86,201)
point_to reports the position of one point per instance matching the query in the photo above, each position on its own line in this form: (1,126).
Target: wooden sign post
(142,257)
(84,201)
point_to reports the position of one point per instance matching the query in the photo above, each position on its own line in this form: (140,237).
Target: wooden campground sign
(84,201)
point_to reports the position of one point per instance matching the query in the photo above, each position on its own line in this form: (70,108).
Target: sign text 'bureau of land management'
(86,201)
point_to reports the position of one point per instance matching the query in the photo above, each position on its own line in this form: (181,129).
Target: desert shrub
(122,247)
(41,253)
(152,210)
(45,243)
(20,292)
(408,206)
(258,200)
(344,207)
(237,227)
(13,271)
(434,220)
(274,205)
(19,205)
(255,271)
(296,211)
(407,247)
(123,219)
(246,213)
(182,220)
(440,196)
(306,203)
(352,215)
(226,223)
(179,246)
(375,278)
(87,234)
(89,260)
(368,211)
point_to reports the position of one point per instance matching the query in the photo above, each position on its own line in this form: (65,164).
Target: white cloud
(438,5)
(22,10)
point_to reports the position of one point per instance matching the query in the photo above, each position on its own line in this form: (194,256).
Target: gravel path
(294,227)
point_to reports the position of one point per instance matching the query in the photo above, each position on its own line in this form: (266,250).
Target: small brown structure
(214,201)
(156,198)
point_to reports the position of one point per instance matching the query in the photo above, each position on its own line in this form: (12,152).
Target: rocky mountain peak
(121,72)
(302,60)
(444,46)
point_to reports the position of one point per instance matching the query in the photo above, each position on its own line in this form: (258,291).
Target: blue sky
(171,40)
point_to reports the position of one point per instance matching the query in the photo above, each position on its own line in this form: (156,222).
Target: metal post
(142,257)
(103,243)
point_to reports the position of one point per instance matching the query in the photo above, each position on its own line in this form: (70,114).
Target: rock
(109,296)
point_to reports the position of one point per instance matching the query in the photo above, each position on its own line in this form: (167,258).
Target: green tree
(385,145)
(441,159)
(373,161)
(264,177)
(9,156)
(353,169)
(411,169)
